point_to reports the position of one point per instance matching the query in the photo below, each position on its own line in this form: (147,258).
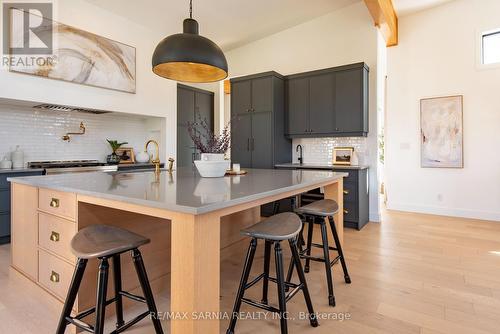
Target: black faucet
(301,159)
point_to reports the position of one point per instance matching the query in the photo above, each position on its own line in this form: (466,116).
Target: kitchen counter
(188,219)
(320,166)
(183,191)
(20,170)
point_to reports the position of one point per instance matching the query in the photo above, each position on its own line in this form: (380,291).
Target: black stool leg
(300,243)
(267,260)
(146,289)
(339,249)
(296,259)
(328,267)
(243,282)
(117,279)
(102,286)
(280,278)
(276,207)
(72,292)
(310,229)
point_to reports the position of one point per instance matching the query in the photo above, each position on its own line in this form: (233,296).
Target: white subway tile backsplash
(39,132)
(320,150)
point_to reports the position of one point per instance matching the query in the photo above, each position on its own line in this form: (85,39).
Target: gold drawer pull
(346,211)
(54,203)
(54,277)
(346,192)
(54,236)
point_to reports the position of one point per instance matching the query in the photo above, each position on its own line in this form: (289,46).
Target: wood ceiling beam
(385,19)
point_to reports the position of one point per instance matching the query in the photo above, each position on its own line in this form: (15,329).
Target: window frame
(480,49)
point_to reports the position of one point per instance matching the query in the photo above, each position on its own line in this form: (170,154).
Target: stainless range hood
(55,107)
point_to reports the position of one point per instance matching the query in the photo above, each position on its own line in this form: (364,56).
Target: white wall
(341,37)
(155,96)
(437,57)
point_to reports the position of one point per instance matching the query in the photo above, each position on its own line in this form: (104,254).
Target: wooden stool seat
(101,240)
(322,208)
(283,226)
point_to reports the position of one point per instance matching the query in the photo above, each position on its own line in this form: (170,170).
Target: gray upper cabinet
(258,121)
(330,102)
(192,103)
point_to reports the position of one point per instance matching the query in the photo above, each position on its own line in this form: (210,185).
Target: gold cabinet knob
(54,203)
(346,192)
(346,211)
(54,236)
(54,277)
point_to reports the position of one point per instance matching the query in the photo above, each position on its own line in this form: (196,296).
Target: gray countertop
(183,190)
(20,170)
(320,166)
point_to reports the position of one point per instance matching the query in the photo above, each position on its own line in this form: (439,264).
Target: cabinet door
(262,94)
(349,101)
(321,104)
(262,152)
(297,104)
(25,229)
(241,134)
(241,97)
(185,113)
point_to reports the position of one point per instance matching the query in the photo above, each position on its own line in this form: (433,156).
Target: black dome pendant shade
(189,57)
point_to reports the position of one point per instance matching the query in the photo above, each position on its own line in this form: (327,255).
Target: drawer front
(352,177)
(350,192)
(350,211)
(54,274)
(57,202)
(4,201)
(55,234)
(4,224)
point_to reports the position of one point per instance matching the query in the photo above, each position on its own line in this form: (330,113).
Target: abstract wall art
(441,121)
(84,58)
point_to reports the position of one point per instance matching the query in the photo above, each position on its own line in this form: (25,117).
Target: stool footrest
(88,312)
(132,322)
(321,246)
(260,305)
(133,297)
(272,279)
(80,324)
(319,259)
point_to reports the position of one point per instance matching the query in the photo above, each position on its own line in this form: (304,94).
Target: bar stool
(315,213)
(105,242)
(273,230)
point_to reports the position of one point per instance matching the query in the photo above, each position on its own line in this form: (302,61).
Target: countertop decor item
(114,158)
(142,157)
(82,57)
(17,157)
(5,163)
(231,172)
(188,56)
(342,155)
(126,155)
(212,148)
(441,121)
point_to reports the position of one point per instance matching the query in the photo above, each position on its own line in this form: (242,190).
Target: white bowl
(212,168)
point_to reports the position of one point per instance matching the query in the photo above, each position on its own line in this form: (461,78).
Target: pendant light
(189,57)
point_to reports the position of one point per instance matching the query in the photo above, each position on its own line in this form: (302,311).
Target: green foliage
(115,144)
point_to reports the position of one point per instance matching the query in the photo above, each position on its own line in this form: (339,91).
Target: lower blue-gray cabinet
(5,202)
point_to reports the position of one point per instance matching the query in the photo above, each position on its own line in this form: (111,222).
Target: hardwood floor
(412,274)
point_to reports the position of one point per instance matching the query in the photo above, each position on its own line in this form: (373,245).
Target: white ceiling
(406,7)
(230,23)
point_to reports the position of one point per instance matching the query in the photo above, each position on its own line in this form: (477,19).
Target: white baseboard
(374,217)
(444,211)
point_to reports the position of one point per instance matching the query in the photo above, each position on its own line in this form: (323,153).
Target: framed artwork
(81,57)
(441,123)
(126,155)
(342,155)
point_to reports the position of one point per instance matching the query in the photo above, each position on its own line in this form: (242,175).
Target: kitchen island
(188,219)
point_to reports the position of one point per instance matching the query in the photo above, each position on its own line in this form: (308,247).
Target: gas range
(72,166)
